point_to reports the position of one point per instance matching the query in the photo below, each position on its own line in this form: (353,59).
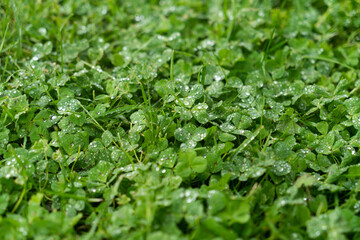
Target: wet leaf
(100,172)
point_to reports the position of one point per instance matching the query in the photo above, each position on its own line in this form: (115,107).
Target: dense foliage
(179,119)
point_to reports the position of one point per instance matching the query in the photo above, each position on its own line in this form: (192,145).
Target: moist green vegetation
(179,119)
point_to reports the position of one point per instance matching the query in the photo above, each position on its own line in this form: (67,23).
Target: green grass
(171,119)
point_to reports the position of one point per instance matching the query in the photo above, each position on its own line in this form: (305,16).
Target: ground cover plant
(179,119)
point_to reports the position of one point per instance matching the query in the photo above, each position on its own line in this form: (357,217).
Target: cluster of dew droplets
(182,135)
(68,105)
(199,134)
(357,207)
(167,157)
(158,169)
(281,168)
(205,44)
(190,195)
(227,127)
(11,169)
